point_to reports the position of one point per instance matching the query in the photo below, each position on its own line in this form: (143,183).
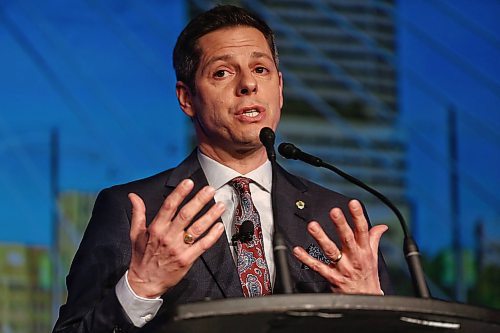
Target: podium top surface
(327,312)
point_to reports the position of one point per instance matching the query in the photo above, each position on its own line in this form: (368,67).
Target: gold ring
(336,260)
(188,238)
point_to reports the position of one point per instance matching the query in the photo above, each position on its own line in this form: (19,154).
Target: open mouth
(251,113)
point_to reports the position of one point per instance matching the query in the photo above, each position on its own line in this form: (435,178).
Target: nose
(247,84)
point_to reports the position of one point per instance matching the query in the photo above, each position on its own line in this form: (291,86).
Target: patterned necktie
(252,265)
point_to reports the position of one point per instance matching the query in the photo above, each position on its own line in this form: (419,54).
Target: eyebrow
(227,57)
(256,54)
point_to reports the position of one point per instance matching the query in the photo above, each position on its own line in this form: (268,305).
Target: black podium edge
(331,303)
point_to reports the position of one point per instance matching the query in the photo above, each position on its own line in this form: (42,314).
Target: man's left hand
(354,265)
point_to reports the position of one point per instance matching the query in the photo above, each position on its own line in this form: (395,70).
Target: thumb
(138,223)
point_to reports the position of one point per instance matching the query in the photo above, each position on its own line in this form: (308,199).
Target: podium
(315,313)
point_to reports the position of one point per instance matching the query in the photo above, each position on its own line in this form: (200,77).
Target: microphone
(283,278)
(267,138)
(289,151)
(245,233)
(410,248)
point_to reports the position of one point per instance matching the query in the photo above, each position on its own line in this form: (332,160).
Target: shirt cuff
(139,309)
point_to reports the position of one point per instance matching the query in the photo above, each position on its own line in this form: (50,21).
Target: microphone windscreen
(287,150)
(246,231)
(267,136)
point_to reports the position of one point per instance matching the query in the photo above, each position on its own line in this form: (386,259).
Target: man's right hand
(160,257)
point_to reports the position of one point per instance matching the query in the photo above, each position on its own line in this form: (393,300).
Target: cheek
(213,97)
(278,104)
(221,104)
(276,119)
(213,112)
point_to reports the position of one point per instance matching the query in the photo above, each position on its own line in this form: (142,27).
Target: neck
(240,161)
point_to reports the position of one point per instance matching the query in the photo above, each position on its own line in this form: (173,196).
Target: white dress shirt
(141,310)
(219,175)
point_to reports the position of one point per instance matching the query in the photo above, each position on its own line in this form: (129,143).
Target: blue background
(100,72)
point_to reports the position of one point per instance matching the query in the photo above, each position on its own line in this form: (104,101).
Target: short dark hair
(186,56)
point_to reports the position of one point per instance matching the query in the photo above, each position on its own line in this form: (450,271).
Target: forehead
(232,39)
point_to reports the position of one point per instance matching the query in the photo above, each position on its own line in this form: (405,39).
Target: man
(165,240)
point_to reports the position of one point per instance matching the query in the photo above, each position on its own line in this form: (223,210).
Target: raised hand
(161,256)
(354,265)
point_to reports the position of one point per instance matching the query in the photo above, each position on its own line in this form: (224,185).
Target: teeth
(251,113)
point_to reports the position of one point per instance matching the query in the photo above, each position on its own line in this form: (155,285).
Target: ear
(184,96)
(281,89)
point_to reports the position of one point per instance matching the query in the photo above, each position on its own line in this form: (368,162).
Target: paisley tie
(252,265)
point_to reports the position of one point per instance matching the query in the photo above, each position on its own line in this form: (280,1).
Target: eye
(221,73)
(261,70)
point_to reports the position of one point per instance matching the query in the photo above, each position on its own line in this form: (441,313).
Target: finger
(138,223)
(203,223)
(376,233)
(193,207)
(329,248)
(173,200)
(206,242)
(343,229)
(324,270)
(360,224)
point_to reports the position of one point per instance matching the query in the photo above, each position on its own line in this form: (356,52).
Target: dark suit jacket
(105,250)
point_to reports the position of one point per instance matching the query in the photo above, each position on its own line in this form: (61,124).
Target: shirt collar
(218,174)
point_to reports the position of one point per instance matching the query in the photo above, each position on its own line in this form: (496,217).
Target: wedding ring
(188,238)
(336,260)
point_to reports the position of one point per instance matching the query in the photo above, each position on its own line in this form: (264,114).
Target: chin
(245,146)
(247,151)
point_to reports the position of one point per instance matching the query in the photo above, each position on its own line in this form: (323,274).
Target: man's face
(238,90)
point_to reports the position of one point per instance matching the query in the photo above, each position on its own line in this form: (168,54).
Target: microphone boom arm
(410,248)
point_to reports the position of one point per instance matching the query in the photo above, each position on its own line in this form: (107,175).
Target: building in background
(338,60)
(28,280)
(25,289)
(338,63)
(74,213)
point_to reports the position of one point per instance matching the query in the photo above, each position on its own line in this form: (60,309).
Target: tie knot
(241,184)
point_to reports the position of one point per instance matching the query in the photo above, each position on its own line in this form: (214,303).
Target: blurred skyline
(449,53)
(76,67)
(110,93)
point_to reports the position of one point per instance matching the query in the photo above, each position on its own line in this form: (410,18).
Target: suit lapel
(293,211)
(218,259)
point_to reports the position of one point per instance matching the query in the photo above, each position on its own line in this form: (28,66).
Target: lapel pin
(300,204)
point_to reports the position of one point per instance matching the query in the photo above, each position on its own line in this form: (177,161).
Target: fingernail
(354,204)
(219,205)
(336,212)
(296,251)
(187,182)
